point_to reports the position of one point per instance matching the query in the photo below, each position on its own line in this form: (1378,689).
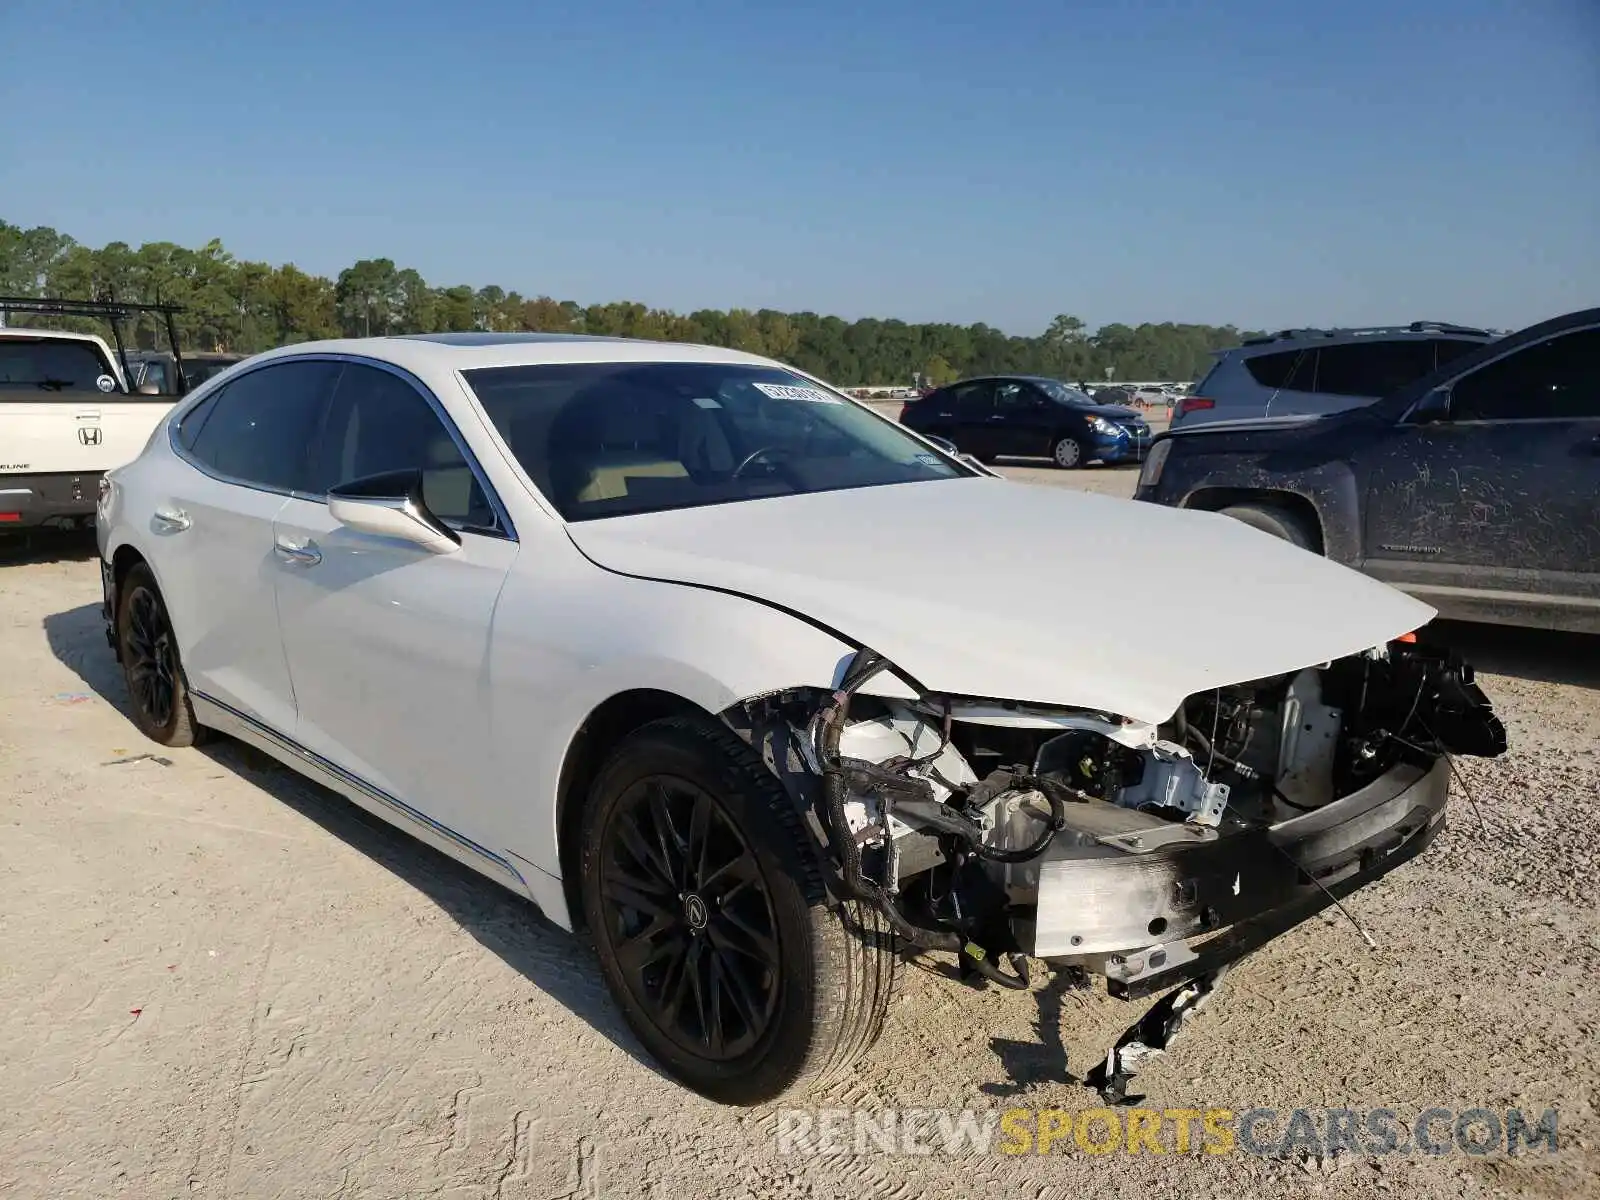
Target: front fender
(621,634)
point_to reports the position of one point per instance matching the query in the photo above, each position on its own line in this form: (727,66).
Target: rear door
(245,451)
(388,643)
(1501,501)
(969,407)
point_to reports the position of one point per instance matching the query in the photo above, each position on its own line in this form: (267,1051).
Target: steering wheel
(751,457)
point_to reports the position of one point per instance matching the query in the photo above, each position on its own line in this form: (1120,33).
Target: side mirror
(149,389)
(1433,407)
(391,505)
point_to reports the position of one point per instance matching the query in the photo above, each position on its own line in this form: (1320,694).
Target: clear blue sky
(1265,163)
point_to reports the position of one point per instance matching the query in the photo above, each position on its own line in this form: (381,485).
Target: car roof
(1291,339)
(471,351)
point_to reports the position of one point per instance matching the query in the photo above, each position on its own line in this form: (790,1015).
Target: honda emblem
(89,435)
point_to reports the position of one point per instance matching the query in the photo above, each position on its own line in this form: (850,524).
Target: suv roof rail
(113,311)
(1288,335)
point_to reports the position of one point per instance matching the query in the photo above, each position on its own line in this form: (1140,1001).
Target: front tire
(1069,453)
(709,917)
(151,665)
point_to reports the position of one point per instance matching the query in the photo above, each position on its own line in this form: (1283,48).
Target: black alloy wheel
(151,664)
(151,659)
(690,918)
(704,892)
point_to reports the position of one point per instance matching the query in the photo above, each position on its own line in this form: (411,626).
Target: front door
(1502,498)
(387,642)
(1022,420)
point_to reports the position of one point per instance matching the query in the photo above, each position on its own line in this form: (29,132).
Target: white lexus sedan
(765,691)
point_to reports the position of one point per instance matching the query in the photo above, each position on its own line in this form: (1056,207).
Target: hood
(1116,412)
(993,589)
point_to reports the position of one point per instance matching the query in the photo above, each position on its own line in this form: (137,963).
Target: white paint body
(443,691)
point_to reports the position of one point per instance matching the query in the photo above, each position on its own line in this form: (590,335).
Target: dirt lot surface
(217,979)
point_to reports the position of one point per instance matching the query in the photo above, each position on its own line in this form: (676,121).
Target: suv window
(378,422)
(52,365)
(1555,378)
(1372,368)
(259,428)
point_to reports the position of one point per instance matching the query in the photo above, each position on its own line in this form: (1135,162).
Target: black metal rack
(112,312)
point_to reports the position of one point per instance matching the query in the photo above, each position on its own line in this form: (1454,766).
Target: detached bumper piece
(1243,890)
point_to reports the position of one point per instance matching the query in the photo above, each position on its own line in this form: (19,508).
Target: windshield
(1057,390)
(609,439)
(54,365)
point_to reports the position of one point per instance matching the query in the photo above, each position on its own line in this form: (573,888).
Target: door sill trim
(224,718)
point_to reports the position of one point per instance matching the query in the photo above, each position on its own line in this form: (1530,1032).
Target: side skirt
(542,889)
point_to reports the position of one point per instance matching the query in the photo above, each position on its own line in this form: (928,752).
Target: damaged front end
(1155,856)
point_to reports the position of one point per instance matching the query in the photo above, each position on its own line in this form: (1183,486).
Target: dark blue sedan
(1027,416)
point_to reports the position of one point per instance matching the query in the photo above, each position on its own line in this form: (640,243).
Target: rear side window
(1558,378)
(1289,368)
(51,366)
(1372,368)
(260,427)
(378,422)
(972,399)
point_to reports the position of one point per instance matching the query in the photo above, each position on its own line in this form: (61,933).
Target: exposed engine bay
(1155,856)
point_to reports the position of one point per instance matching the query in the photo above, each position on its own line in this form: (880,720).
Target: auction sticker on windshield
(785,391)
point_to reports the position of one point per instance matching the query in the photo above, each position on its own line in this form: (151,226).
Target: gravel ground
(218,979)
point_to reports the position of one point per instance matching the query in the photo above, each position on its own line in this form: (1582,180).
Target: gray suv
(1314,371)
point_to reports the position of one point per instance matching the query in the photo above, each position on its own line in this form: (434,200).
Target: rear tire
(709,917)
(1279,522)
(151,664)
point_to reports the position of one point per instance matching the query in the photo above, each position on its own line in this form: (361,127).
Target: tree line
(235,305)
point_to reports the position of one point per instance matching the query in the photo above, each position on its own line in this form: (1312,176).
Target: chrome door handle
(174,519)
(304,556)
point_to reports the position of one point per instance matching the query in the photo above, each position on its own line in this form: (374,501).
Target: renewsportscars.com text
(1373,1132)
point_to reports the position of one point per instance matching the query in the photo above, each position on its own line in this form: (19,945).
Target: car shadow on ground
(1540,655)
(558,963)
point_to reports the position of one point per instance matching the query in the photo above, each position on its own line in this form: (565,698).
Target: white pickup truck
(67,416)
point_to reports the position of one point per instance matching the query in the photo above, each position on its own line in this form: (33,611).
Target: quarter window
(377,423)
(1557,378)
(1291,368)
(259,428)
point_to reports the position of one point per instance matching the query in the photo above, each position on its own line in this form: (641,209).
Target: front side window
(611,439)
(259,428)
(1556,378)
(1060,392)
(378,423)
(50,365)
